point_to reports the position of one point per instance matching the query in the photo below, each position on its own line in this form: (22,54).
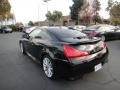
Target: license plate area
(97,67)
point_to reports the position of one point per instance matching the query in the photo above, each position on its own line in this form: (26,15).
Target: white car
(79,27)
(7,30)
(28,30)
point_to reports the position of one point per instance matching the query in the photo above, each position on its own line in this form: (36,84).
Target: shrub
(14,27)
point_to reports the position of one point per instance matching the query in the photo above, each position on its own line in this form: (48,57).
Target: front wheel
(103,38)
(49,68)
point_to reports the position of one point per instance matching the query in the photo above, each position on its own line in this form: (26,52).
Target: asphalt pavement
(19,72)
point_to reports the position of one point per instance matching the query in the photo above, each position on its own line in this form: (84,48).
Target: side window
(35,33)
(106,28)
(101,29)
(44,35)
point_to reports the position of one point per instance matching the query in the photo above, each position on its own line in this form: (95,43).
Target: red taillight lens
(71,52)
(93,32)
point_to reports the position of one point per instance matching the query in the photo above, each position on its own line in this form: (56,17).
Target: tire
(22,48)
(103,37)
(3,31)
(49,67)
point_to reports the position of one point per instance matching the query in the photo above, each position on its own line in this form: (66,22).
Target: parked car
(71,27)
(1,31)
(24,29)
(28,30)
(6,30)
(64,52)
(108,31)
(117,28)
(79,27)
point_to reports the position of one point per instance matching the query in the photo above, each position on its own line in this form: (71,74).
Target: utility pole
(46,1)
(14,18)
(6,19)
(38,16)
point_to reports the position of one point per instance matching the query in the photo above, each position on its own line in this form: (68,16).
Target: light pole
(38,16)
(46,1)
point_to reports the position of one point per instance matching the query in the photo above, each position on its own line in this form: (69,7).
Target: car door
(38,43)
(29,43)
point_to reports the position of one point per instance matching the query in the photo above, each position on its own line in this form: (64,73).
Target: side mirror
(26,36)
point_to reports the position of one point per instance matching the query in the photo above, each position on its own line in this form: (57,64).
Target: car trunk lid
(90,45)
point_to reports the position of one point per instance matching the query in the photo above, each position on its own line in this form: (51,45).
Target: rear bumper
(71,69)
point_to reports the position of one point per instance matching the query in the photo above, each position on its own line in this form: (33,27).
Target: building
(65,21)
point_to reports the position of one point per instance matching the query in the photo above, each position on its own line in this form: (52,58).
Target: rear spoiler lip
(92,41)
(87,42)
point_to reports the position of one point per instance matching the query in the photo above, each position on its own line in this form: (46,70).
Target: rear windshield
(92,27)
(109,27)
(66,33)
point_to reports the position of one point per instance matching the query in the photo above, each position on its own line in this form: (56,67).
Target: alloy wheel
(47,67)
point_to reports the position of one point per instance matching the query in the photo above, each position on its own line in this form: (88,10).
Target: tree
(110,4)
(97,5)
(55,16)
(30,23)
(96,17)
(49,16)
(4,7)
(10,16)
(75,8)
(84,10)
(18,24)
(115,13)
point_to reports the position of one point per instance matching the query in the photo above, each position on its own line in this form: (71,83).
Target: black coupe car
(64,52)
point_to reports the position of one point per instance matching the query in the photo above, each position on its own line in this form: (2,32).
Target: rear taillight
(93,32)
(71,52)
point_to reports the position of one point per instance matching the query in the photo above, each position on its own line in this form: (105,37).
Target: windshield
(110,27)
(92,27)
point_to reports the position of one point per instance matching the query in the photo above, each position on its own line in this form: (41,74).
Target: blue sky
(26,10)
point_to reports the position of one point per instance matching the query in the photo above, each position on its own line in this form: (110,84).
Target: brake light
(93,32)
(71,52)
